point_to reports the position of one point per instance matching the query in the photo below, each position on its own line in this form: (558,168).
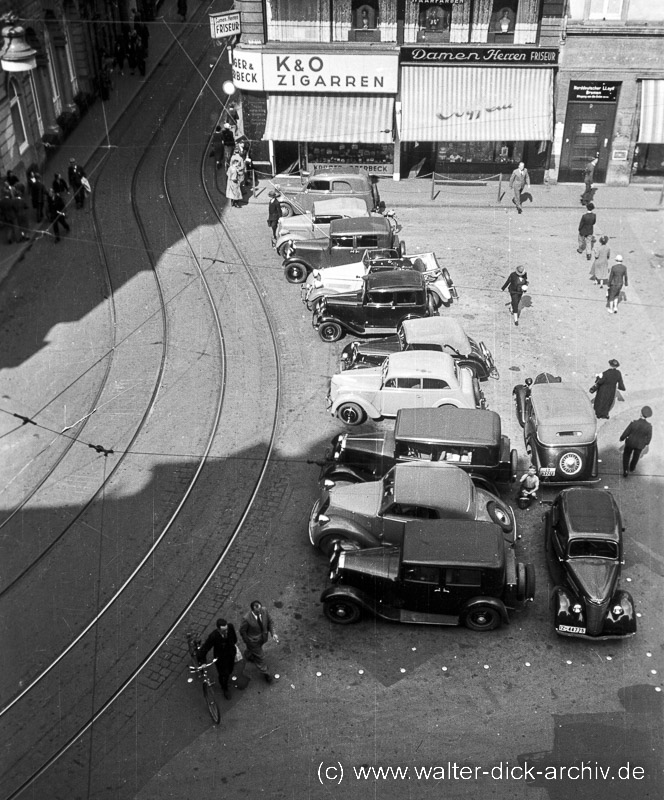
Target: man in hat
(222,640)
(519,181)
(617,279)
(605,389)
(517,282)
(255,630)
(273,214)
(217,146)
(636,436)
(586,228)
(229,143)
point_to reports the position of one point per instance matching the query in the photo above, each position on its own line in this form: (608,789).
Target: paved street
(215,433)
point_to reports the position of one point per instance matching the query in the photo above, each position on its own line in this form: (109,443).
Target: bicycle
(200,672)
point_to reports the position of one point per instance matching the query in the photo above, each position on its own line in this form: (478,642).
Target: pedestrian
(605,388)
(182,9)
(142,32)
(21,212)
(237,159)
(519,181)
(229,143)
(255,630)
(617,279)
(599,271)
(586,228)
(223,641)
(140,57)
(517,282)
(132,52)
(588,177)
(76,175)
(56,213)
(119,54)
(217,147)
(8,215)
(636,436)
(37,193)
(59,184)
(234,184)
(273,214)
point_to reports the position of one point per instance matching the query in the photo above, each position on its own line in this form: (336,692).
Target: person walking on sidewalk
(56,213)
(588,177)
(617,279)
(59,184)
(517,282)
(37,194)
(586,229)
(234,183)
(8,218)
(637,435)
(273,214)
(255,630)
(76,175)
(599,271)
(519,181)
(222,640)
(228,141)
(605,389)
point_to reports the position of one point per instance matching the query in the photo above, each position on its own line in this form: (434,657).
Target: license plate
(571,629)
(547,472)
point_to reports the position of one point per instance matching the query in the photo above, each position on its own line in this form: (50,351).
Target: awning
(651,130)
(335,118)
(476,104)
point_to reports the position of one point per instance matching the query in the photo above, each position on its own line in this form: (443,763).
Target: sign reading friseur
(315,72)
(478,56)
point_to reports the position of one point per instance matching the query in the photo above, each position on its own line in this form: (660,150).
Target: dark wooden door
(588,132)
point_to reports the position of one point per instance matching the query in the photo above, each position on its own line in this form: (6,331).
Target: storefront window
(503,18)
(364,21)
(434,22)
(376,158)
(648,159)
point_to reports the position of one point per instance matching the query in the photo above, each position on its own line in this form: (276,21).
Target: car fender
(349,530)
(335,472)
(369,408)
(346,592)
(520,393)
(623,624)
(563,599)
(440,288)
(494,602)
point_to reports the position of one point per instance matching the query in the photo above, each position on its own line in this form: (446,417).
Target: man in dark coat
(222,640)
(229,143)
(255,629)
(76,175)
(586,228)
(37,194)
(605,387)
(56,213)
(636,436)
(517,282)
(59,184)
(273,213)
(617,279)
(588,177)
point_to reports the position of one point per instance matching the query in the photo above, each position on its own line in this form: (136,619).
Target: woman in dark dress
(605,387)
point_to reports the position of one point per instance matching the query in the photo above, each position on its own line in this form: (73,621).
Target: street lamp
(16,55)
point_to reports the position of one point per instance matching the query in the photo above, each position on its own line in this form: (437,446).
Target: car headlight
(617,610)
(328,483)
(577,608)
(322,518)
(316,275)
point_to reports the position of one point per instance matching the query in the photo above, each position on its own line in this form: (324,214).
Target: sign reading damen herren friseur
(325,73)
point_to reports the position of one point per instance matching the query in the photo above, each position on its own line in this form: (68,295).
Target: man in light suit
(255,630)
(519,182)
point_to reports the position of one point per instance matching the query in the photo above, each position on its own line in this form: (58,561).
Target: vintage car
(444,334)
(416,379)
(315,224)
(348,240)
(349,277)
(376,513)
(468,576)
(559,429)
(469,438)
(325,185)
(585,552)
(383,302)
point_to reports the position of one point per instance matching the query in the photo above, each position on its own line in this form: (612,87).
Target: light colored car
(349,277)
(416,379)
(316,224)
(327,184)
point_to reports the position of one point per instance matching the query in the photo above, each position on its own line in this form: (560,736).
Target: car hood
(378,562)
(379,347)
(596,577)
(368,443)
(364,380)
(356,502)
(311,246)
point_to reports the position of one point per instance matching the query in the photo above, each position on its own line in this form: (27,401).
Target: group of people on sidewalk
(599,253)
(234,156)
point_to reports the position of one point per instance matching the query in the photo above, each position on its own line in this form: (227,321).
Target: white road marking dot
(318,674)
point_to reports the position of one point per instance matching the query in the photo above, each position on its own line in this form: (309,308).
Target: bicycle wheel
(212,706)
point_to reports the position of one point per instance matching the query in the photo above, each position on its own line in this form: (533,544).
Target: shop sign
(595,91)
(619,155)
(247,69)
(374,169)
(481,56)
(225,23)
(326,73)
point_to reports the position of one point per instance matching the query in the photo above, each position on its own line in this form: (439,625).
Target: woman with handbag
(605,388)
(517,282)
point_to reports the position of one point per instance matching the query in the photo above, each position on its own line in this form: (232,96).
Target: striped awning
(335,118)
(651,130)
(476,104)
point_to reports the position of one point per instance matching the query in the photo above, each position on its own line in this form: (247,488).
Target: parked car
(585,551)
(377,309)
(469,438)
(315,224)
(467,576)
(349,277)
(326,184)
(348,240)
(559,429)
(376,513)
(444,334)
(416,379)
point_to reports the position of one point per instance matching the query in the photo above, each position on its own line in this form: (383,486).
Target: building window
(16,111)
(70,63)
(605,9)
(434,22)
(364,21)
(35,102)
(503,20)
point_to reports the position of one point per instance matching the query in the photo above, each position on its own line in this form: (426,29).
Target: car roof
(463,543)
(435,485)
(437,329)
(349,206)
(448,425)
(563,408)
(425,363)
(591,513)
(394,279)
(356,225)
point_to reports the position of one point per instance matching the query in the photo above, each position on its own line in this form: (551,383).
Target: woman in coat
(599,271)
(234,178)
(517,282)
(605,387)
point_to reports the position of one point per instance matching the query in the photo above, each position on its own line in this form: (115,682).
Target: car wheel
(330,332)
(402,248)
(447,277)
(286,210)
(351,414)
(432,304)
(295,272)
(500,516)
(570,464)
(482,618)
(525,581)
(341,611)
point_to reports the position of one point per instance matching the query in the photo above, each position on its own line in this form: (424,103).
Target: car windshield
(593,548)
(402,338)
(384,371)
(388,491)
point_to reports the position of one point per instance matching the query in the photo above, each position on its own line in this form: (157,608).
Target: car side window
(421,451)
(408,383)
(407,298)
(411,511)
(380,298)
(422,573)
(342,241)
(318,186)
(434,383)
(341,186)
(367,241)
(463,577)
